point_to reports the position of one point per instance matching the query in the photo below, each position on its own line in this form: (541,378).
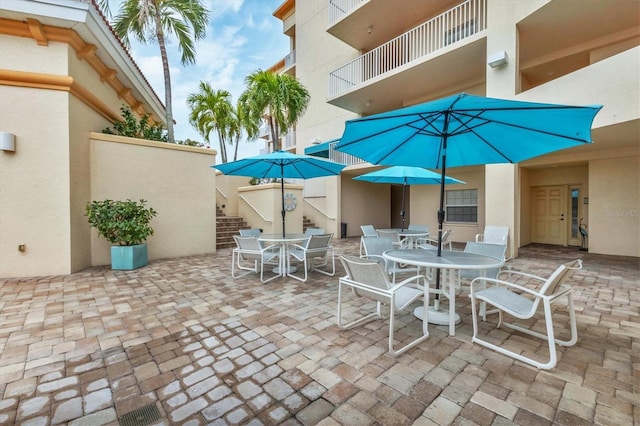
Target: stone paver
(183,337)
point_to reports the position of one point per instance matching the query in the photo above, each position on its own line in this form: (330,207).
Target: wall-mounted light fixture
(315,141)
(497,59)
(367,104)
(7,141)
(369,29)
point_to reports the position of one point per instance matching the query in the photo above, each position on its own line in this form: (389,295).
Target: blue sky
(243,36)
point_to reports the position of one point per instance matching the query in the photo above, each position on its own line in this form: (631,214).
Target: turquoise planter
(129,257)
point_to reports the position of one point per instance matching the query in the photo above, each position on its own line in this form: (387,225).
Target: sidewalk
(181,342)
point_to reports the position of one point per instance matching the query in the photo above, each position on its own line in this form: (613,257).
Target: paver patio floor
(181,342)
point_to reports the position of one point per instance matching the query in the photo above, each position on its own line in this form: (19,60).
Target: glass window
(462,205)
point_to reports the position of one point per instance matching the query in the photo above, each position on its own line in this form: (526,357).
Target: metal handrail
(243,198)
(455,24)
(318,210)
(226,197)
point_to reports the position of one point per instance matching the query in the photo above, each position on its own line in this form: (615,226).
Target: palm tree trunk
(167,78)
(235,153)
(273,126)
(223,148)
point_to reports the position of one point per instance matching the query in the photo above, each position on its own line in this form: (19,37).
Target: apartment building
(361,57)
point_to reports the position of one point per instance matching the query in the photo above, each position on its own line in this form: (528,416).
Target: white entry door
(548,216)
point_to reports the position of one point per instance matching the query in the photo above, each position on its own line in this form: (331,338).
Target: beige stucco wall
(261,207)
(614,206)
(227,192)
(364,203)
(34,195)
(425,202)
(175,180)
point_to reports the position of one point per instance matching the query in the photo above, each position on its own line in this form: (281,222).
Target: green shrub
(125,223)
(131,127)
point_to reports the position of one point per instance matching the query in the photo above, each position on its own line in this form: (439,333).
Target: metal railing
(243,198)
(338,9)
(289,140)
(290,60)
(316,208)
(451,26)
(341,157)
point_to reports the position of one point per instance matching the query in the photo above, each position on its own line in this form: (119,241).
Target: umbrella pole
(282,193)
(404,187)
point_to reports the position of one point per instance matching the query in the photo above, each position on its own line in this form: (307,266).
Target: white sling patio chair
(374,247)
(393,235)
(314,231)
(495,235)
(433,241)
(313,253)
(522,302)
(251,232)
(249,251)
(367,279)
(367,231)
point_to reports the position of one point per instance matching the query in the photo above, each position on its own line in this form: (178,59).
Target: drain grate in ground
(141,417)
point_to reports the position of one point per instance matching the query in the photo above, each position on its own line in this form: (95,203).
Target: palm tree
(154,20)
(212,110)
(280,99)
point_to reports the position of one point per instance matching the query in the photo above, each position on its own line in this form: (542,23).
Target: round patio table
(410,234)
(283,267)
(451,261)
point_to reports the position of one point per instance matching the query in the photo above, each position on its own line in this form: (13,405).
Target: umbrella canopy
(405,175)
(281,165)
(465,130)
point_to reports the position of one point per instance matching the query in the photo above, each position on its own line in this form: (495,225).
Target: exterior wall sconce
(497,59)
(7,141)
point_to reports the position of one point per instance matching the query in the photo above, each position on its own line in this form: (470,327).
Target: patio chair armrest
(522,274)
(297,246)
(503,283)
(375,258)
(410,280)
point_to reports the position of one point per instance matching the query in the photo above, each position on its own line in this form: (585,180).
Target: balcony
(365,24)
(445,53)
(290,63)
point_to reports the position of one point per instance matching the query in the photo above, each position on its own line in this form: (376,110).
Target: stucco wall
(261,206)
(175,180)
(614,206)
(425,202)
(34,195)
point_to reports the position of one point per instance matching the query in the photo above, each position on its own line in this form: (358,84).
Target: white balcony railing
(290,60)
(451,26)
(289,140)
(341,8)
(341,157)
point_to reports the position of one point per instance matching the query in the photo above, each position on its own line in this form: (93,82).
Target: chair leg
(357,321)
(305,267)
(235,263)
(326,261)
(549,337)
(400,351)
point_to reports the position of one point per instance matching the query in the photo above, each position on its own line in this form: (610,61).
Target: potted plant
(126,225)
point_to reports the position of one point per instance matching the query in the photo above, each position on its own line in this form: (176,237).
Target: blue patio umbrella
(406,175)
(465,130)
(281,165)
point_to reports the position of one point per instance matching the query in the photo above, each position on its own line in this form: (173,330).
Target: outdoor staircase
(306,223)
(226,228)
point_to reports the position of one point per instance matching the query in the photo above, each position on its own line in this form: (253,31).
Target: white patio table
(450,261)
(283,267)
(410,234)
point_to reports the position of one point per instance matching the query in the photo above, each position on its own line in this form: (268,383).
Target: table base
(436,316)
(287,270)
